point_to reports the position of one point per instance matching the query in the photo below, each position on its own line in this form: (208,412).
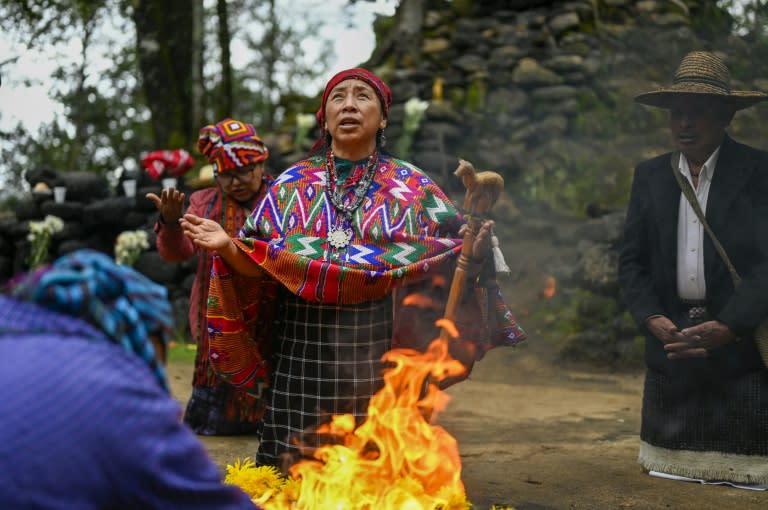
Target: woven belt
(696,311)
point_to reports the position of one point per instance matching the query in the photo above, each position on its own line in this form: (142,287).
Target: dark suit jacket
(737,211)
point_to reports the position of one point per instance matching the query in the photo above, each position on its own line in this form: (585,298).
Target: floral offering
(39,237)
(129,245)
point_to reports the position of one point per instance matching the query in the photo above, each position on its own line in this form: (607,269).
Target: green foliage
(456,95)
(8,205)
(107,123)
(383,26)
(104,120)
(711,19)
(268,88)
(49,22)
(181,352)
(463,8)
(585,326)
(571,178)
(592,310)
(475,97)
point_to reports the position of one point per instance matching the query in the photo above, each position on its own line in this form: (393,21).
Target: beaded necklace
(340,235)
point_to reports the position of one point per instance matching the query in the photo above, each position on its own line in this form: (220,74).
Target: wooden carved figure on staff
(482,192)
(483,189)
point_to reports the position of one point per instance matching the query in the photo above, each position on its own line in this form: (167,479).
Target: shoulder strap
(685,186)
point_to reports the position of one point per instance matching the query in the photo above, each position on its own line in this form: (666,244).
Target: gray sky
(24,92)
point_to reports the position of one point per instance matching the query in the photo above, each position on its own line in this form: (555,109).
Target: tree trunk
(164,47)
(198,86)
(77,116)
(225,106)
(271,52)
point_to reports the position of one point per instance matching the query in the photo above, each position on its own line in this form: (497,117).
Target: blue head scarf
(124,304)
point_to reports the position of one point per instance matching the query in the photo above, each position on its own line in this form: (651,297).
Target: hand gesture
(698,340)
(170,203)
(205,233)
(668,334)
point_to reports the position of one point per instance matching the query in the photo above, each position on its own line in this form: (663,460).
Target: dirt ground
(537,437)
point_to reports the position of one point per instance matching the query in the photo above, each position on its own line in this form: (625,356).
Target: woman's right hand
(205,233)
(170,203)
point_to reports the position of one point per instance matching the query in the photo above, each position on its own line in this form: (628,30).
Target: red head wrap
(357,73)
(231,144)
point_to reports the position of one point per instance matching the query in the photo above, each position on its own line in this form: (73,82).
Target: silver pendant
(339,237)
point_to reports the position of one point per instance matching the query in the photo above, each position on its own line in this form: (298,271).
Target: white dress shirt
(690,232)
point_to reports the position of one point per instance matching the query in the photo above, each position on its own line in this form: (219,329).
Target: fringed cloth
(712,429)
(214,407)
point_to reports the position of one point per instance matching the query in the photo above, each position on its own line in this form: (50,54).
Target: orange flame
(550,287)
(397,459)
(420,301)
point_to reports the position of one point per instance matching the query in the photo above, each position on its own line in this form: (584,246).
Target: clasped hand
(693,342)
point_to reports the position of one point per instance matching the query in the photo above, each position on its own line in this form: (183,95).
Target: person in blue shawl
(88,421)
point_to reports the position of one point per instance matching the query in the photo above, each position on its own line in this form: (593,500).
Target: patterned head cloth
(357,73)
(173,163)
(231,144)
(123,303)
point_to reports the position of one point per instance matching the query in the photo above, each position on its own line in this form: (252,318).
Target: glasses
(244,175)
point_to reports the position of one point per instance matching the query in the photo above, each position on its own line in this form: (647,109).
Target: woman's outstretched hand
(205,233)
(170,203)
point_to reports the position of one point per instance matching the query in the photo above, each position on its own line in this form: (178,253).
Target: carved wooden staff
(483,189)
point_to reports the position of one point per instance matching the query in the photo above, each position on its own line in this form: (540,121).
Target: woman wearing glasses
(238,157)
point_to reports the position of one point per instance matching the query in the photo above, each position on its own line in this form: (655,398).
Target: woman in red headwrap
(341,231)
(238,157)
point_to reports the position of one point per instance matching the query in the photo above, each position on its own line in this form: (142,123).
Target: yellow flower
(260,483)
(453,500)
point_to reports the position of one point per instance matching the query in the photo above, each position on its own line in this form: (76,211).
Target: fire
(550,287)
(420,301)
(397,458)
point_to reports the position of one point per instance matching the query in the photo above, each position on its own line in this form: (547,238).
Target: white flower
(414,111)
(39,237)
(129,246)
(415,106)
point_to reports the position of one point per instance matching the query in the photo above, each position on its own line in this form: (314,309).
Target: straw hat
(701,73)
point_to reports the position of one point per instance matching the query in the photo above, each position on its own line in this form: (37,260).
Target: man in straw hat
(705,403)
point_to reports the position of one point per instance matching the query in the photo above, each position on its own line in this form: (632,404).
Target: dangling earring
(382,138)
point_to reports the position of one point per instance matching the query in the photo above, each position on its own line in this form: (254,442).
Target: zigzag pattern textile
(400,231)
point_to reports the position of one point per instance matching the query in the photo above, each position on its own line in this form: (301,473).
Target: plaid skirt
(327,361)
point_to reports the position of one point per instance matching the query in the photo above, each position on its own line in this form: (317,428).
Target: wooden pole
(483,190)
